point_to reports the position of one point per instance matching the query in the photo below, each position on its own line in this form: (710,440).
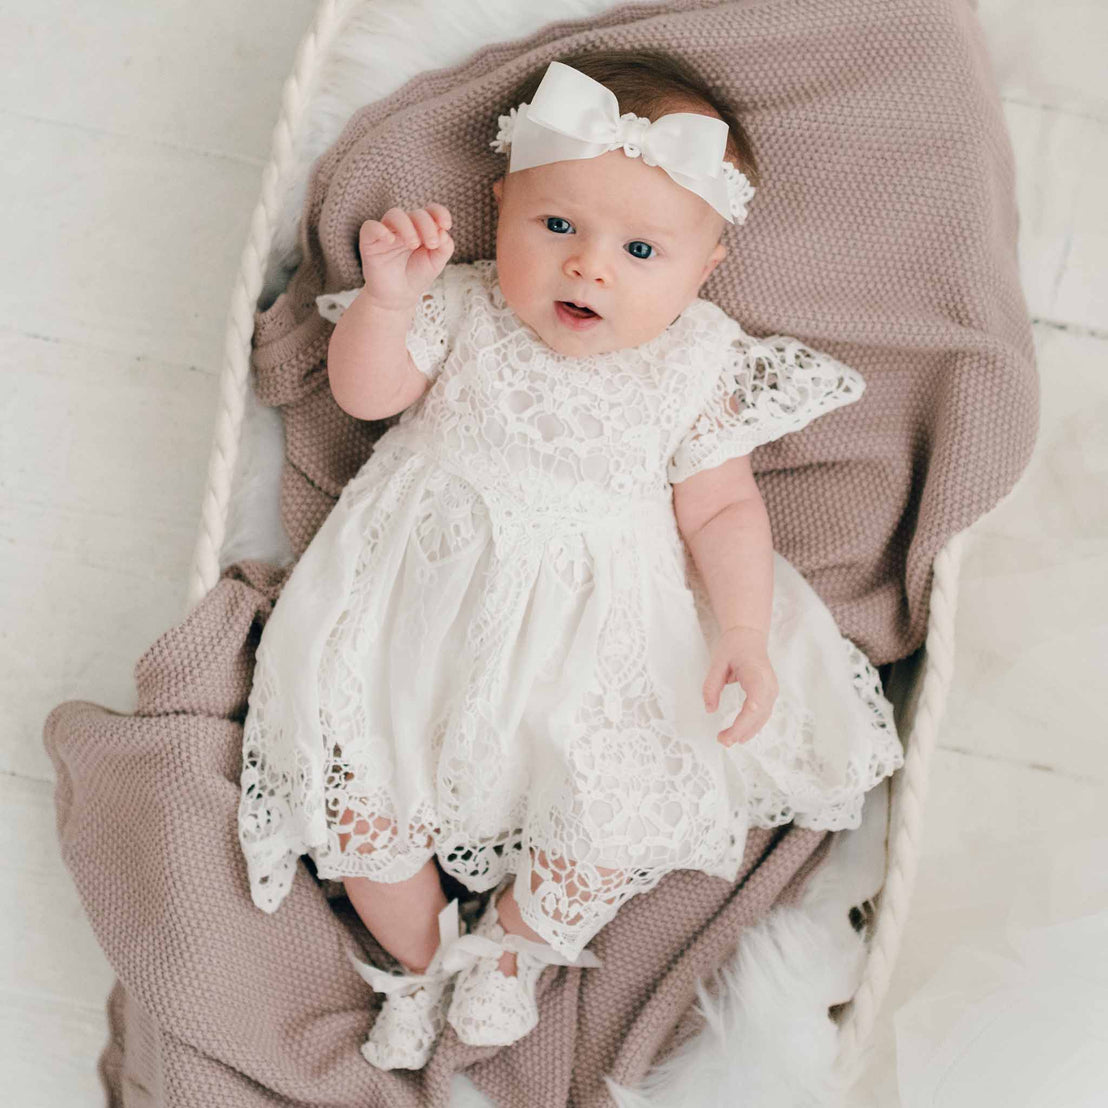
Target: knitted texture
(219,1004)
(884,233)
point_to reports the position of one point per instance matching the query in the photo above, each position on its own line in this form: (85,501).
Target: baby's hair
(651,83)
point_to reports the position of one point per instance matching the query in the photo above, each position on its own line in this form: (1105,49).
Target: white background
(133,138)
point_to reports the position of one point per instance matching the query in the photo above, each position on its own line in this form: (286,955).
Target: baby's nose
(589,265)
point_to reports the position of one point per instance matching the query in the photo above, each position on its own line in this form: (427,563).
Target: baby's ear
(716,256)
(498,190)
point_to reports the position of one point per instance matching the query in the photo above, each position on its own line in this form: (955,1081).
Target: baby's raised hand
(403,252)
(739,654)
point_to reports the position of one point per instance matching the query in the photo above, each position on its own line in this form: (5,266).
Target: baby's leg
(401,915)
(508,910)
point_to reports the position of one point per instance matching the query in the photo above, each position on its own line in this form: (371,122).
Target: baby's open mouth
(577,309)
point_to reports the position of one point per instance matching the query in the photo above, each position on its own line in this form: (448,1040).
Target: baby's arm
(371,373)
(723,520)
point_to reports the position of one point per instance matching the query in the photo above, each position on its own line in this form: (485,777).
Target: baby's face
(610,233)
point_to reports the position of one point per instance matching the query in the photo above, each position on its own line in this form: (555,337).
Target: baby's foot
(414,1013)
(494,997)
(406,1029)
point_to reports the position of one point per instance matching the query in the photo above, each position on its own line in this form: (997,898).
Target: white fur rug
(768,1039)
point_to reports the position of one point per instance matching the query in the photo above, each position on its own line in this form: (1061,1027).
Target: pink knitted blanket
(884,234)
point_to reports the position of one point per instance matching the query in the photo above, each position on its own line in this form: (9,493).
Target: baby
(508,651)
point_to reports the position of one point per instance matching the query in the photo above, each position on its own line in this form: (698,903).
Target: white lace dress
(493,649)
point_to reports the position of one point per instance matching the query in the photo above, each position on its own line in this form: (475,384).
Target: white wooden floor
(133,138)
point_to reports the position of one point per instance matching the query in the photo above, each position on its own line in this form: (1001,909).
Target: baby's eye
(556,219)
(645,245)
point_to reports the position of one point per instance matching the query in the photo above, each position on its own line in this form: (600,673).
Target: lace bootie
(490,1008)
(413,1015)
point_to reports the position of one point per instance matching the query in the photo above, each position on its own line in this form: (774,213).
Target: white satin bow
(572,116)
(455,952)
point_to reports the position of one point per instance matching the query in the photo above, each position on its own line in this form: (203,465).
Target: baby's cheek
(643,319)
(507,265)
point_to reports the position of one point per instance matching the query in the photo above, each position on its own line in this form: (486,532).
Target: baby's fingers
(415,229)
(374,238)
(747,723)
(761,694)
(718,672)
(400,231)
(437,240)
(432,223)
(441,215)
(399,222)
(426,229)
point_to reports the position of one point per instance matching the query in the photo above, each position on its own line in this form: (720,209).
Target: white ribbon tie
(455,952)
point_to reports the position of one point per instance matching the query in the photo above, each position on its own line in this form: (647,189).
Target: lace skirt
(428,685)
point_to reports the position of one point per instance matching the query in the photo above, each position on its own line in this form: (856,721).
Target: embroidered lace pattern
(549,479)
(769,387)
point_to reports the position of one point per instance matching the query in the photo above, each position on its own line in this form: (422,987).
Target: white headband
(572,116)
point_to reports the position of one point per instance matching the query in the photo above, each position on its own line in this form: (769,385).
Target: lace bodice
(552,435)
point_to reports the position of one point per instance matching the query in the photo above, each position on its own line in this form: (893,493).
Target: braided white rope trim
(907,796)
(314,47)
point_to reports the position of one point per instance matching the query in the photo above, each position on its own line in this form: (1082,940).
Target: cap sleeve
(434,325)
(768,387)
